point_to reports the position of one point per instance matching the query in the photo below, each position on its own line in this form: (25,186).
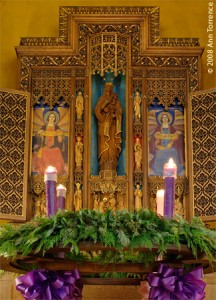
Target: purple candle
(50,179)
(169,174)
(61,196)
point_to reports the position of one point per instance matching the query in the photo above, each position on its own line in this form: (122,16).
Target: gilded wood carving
(122,45)
(14,107)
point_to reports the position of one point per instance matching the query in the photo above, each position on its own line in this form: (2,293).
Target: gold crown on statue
(108,83)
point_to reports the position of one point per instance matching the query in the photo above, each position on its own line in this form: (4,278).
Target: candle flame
(61,187)
(51,169)
(160,194)
(171,163)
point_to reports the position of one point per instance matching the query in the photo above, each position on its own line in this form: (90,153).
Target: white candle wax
(61,190)
(160,202)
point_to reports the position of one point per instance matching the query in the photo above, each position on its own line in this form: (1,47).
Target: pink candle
(50,179)
(61,196)
(160,202)
(169,174)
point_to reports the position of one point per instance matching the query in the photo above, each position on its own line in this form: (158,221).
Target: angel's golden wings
(63,123)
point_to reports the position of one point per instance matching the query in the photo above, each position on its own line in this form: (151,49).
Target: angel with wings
(50,129)
(166,140)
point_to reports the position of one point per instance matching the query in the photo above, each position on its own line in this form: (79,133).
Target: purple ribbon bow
(50,285)
(173,284)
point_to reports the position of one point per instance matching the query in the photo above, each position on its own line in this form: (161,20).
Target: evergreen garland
(131,229)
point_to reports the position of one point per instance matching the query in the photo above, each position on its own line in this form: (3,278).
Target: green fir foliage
(131,229)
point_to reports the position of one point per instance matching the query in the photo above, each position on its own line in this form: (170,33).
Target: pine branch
(119,230)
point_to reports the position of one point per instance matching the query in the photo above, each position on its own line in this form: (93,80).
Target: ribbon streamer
(50,285)
(174,284)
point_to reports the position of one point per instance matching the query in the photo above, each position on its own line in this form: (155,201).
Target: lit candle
(61,196)
(50,179)
(160,202)
(169,174)
(60,204)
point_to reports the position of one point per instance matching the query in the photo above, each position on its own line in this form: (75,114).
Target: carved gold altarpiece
(125,42)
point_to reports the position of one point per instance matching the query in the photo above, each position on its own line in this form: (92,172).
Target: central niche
(115,132)
(109,68)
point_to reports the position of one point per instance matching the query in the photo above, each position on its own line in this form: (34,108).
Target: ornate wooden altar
(121,45)
(89,270)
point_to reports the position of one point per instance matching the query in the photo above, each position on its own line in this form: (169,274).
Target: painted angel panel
(166,140)
(50,139)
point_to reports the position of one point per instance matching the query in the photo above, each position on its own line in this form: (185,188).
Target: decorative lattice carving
(51,84)
(117,185)
(137,129)
(121,32)
(28,63)
(137,83)
(179,42)
(179,84)
(79,128)
(78,176)
(166,73)
(44,41)
(191,63)
(204,161)
(114,49)
(13,107)
(164,84)
(80,83)
(138,178)
(152,12)
(137,73)
(166,91)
